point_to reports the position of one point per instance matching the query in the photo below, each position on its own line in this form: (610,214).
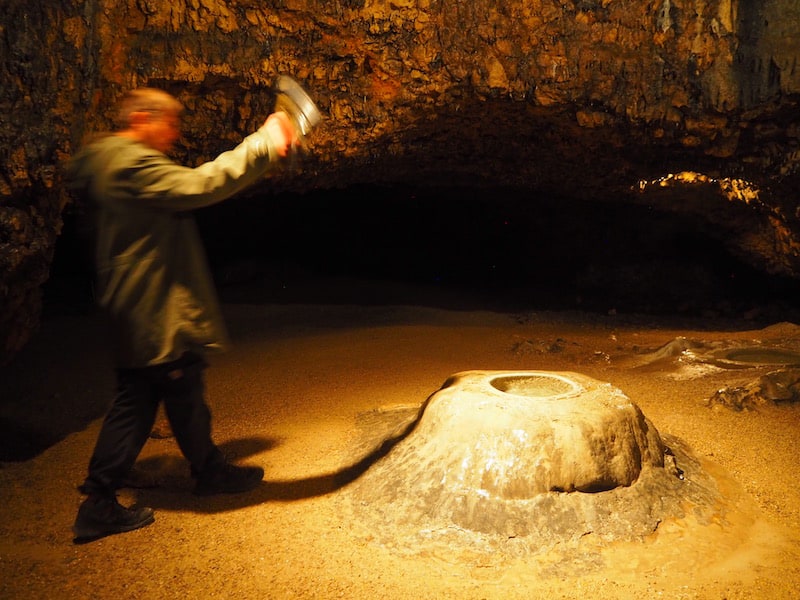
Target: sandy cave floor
(310,390)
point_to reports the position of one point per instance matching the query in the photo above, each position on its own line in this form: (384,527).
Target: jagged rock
(776,387)
(579,99)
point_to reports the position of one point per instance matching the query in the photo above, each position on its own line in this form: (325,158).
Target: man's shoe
(99,516)
(228,479)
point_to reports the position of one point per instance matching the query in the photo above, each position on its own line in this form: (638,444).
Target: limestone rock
(542,457)
(576,99)
(776,387)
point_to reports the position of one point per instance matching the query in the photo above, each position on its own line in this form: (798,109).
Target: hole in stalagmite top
(536,386)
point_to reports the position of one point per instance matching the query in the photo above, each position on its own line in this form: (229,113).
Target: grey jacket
(152,275)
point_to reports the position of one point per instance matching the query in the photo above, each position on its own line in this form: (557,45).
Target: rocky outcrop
(601,100)
(541,458)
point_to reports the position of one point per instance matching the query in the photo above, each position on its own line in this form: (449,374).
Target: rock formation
(543,458)
(680,105)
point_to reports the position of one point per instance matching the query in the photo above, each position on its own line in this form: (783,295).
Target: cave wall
(586,99)
(40,73)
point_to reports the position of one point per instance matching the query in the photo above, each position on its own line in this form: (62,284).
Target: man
(154,284)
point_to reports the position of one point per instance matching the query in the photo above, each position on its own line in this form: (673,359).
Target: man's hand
(282,132)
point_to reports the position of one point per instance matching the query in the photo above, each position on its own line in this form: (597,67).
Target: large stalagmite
(541,457)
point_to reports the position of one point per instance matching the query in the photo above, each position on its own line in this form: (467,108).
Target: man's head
(150,116)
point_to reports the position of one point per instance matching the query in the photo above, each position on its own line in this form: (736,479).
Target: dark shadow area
(467,248)
(270,491)
(457,248)
(24,440)
(58,384)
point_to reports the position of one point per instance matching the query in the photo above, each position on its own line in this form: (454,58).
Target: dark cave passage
(508,247)
(463,247)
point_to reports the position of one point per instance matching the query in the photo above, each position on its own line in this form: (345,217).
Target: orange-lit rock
(544,458)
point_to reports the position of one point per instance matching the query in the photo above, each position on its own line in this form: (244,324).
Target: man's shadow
(173,490)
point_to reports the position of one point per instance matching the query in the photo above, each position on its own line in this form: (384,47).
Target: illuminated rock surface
(544,458)
(580,101)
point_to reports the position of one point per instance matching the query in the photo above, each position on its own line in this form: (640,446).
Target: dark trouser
(128,423)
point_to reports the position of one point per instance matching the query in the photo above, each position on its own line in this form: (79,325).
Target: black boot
(99,516)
